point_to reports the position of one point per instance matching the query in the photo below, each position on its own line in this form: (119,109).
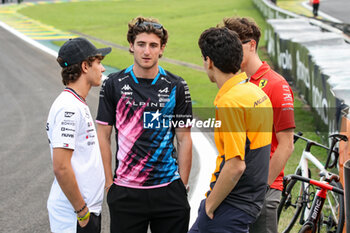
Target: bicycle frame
(301,201)
(315,212)
(304,168)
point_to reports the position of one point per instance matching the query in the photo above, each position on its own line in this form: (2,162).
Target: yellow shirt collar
(229,84)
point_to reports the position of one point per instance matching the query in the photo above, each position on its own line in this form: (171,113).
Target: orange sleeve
(233,130)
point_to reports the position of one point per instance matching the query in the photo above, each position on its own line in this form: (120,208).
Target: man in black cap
(76,194)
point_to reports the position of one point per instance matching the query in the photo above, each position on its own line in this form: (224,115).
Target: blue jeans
(227,219)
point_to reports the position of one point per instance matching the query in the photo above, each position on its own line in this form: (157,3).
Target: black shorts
(165,209)
(93,226)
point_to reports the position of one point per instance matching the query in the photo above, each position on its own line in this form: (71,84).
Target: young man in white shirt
(76,194)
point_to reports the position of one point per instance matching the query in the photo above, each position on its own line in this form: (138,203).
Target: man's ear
(131,48)
(84,66)
(162,47)
(253,45)
(210,63)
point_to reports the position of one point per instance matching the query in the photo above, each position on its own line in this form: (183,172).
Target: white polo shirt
(70,126)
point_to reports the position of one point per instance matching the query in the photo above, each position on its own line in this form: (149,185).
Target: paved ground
(339,9)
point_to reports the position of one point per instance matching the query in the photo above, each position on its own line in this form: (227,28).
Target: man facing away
(281,96)
(239,182)
(141,102)
(76,194)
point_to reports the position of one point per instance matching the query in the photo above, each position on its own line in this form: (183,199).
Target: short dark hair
(71,73)
(223,47)
(140,25)
(245,28)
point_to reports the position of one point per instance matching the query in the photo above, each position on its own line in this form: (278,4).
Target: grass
(185,20)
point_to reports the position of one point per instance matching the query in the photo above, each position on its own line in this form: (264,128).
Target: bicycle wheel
(332,216)
(291,205)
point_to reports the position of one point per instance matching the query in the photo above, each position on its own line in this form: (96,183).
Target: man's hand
(83,223)
(107,188)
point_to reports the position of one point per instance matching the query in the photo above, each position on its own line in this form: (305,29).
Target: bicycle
(296,199)
(315,218)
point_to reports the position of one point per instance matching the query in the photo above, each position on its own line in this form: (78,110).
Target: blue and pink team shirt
(145,113)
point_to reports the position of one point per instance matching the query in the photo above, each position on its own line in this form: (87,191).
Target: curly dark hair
(149,25)
(223,47)
(71,73)
(245,28)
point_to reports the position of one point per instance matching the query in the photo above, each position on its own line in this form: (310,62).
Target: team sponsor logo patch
(65,145)
(126,92)
(285,88)
(263,83)
(163,95)
(67,129)
(121,79)
(126,87)
(90,136)
(166,80)
(68,122)
(164,99)
(165,90)
(90,143)
(287,97)
(87,115)
(68,114)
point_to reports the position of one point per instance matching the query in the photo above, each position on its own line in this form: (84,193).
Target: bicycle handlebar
(310,142)
(335,138)
(320,184)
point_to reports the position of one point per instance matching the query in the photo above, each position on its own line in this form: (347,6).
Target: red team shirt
(281,97)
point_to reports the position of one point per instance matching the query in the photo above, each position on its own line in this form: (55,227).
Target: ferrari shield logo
(262,83)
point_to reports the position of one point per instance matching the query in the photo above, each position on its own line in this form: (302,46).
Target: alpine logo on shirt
(165,90)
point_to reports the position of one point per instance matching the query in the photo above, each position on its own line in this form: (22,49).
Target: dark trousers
(93,226)
(165,209)
(227,219)
(315,9)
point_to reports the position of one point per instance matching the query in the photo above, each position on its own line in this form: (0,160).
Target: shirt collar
(73,92)
(263,69)
(235,80)
(161,71)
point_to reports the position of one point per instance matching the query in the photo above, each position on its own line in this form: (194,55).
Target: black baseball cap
(79,49)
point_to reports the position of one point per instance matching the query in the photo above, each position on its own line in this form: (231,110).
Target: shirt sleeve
(183,107)
(233,131)
(64,131)
(283,107)
(106,113)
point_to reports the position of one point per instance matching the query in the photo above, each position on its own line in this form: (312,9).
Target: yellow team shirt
(246,116)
